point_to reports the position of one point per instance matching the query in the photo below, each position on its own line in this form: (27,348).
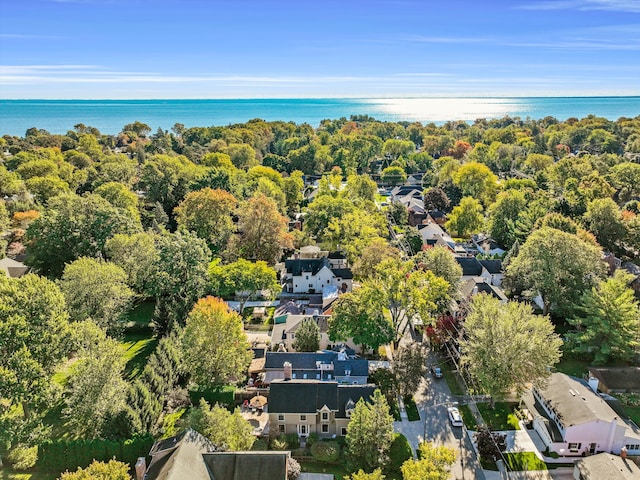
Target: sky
(130,49)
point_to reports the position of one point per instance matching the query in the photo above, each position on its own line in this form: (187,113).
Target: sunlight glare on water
(444,109)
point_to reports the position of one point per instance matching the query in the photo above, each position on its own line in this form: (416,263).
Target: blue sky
(322,48)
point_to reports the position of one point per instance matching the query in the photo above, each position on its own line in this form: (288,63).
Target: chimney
(593,383)
(141,468)
(287,371)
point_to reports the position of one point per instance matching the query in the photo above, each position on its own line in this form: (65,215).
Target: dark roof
(492,266)
(298,266)
(344,273)
(337,255)
(294,396)
(437,214)
(470,266)
(299,361)
(619,378)
(179,457)
(243,465)
(483,287)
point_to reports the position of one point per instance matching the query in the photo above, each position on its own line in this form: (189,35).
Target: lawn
(521,461)
(7,474)
(136,348)
(572,366)
(139,318)
(451,377)
(317,467)
(467,417)
(411,409)
(501,417)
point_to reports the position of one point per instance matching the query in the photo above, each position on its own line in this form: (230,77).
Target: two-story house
(313,275)
(572,420)
(307,406)
(326,366)
(284,332)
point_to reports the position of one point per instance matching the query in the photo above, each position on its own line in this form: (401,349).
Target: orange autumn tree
(23,219)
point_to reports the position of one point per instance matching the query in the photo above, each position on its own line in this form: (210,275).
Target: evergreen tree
(307,336)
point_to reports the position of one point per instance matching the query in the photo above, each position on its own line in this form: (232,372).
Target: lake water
(109,116)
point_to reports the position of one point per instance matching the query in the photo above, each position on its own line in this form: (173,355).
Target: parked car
(454,417)
(436,372)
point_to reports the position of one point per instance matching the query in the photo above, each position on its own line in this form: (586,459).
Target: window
(281,417)
(325,428)
(632,447)
(327,282)
(304,375)
(293,375)
(347,372)
(303,418)
(325,416)
(574,446)
(343,431)
(311,285)
(281,428)
(329,376)
(306,277)
(317,376)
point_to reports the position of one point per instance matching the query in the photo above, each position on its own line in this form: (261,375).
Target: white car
(454,417)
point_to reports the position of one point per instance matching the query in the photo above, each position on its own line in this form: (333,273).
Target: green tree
(244,278)
(73,227)
(45,188)
(362,475)
(137,255)
(324,209)
(119,195)
(215,347)
(242,155)
(433,463)
(97,290)
(466,218)
(112,470)
(604,220)
(409,367)
(180,276)
(360,187)
(558,265)
(207,213)
(34,339)
(506,346)
(503,215)
(371,255)
(370,433)
(263,231)
(442,263)
(96,388)
(393,175)
(229,431)
(608,321)
(359,315)
(307,336)
(436,199)
(626,178)
(476,180)
(293,191)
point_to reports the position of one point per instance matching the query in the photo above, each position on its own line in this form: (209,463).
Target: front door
(302,430)
(592,448)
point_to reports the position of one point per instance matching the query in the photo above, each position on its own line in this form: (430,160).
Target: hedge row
(58,456)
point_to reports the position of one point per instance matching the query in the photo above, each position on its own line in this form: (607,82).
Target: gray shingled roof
(179,457)
(307,361)
(607,466)
(471,267)
(492,266)
(245,465)
(300,396)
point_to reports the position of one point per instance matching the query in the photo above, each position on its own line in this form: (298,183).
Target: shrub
(260,445)
(279,442)
(293,469)
(312,438)
(22,457)
(293,441)
(399,452)
(220,395)
(326,451)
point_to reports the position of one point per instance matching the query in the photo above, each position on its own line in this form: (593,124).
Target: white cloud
(632,6)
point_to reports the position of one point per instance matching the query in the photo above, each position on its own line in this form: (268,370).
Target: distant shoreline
(110,115)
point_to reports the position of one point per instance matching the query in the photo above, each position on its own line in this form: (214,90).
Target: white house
(312,275)
(572,420)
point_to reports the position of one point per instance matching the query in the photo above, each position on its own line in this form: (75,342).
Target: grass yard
(136,348)
(411,409)
(521,461)
(7,474)
(451,377)
(140,317)
(500,418)
(338,471)
(572,366)
(467,417)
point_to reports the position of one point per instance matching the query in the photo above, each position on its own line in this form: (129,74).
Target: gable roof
(618,378)
(307,361)
(300,396)
(344,273)
(12,268)
(243,465)
(492,266)
(605,465)
(298,266)
(179,457)
(574,402)
(471,267)
(482,286)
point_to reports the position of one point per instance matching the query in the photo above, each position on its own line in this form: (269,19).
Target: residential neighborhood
(228,303)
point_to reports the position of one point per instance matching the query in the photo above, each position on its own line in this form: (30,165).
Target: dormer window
(325,416)
(347,372)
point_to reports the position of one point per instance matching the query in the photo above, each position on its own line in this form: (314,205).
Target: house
(330,366)
(284,331)
(572,420)
(308,406)
(605,466)
(475,285)
(494,268)
(438,217)
(313,275)
(486,245)
(616,379)
(13,269)
(192,456)
(432,234)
